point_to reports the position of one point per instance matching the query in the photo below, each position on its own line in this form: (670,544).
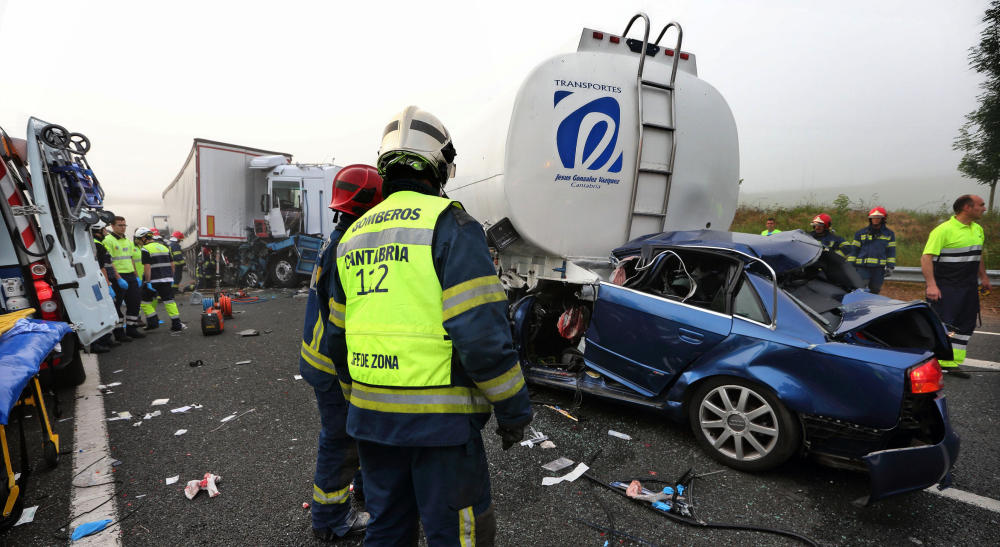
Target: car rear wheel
(742,425)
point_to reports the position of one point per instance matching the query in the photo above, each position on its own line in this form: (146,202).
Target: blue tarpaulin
(22,350)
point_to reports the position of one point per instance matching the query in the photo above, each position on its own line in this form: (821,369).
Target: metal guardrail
(913,274)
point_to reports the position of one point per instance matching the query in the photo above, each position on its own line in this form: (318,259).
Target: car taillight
(46,301)
(926,378)
(38,270)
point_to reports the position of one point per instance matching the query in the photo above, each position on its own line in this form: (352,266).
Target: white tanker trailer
(603,145)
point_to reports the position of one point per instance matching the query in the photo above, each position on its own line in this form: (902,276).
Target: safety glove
(122,284)
(509,436)
(150,286)
(111,292)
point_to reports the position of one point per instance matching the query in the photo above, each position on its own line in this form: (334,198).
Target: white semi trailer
(603,145)
(263,216)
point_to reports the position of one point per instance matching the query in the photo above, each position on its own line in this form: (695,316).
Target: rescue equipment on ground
(211,322)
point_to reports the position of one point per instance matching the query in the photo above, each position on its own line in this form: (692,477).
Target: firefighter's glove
(888,272)
(111,292)
(122,284)
(509,436)
(149,286)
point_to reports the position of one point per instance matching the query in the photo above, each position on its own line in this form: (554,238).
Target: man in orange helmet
(873,250)
(356,189)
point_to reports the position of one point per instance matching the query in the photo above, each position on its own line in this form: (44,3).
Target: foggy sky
(824,93)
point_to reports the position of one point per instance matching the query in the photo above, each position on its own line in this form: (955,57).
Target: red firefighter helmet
(824,219)
(177,234)
(877,212)
(356,189)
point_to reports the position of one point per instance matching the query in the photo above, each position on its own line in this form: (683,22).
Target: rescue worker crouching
(356,189)
(158,278)
(420,341)
(122,250)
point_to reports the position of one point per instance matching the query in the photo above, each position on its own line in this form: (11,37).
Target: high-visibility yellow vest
(137,260)
(121,253)
(393,316)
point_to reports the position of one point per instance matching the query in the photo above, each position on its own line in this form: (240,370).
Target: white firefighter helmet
(417,139)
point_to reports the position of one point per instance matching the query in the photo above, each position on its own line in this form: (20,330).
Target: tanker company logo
(588,136)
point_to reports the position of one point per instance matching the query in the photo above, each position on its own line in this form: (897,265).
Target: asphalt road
(266,458)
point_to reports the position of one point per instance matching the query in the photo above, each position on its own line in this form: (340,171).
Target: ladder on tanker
(657,143)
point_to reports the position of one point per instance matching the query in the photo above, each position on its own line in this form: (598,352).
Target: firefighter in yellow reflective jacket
(952,262)
(158,277)
(122,250)
(420,341)
(873,250)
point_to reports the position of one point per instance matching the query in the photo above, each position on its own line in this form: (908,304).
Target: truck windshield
(287,198)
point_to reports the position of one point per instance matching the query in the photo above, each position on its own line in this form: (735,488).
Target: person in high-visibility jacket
(873,250)
(420,341)
(121,249)
(356,189)
(106,342)
(177,255)
(952,262)
(770,227)
(158,277)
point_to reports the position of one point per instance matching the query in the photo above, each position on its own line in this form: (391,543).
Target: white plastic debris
(569,477)
(246,362)
(547,444)
(125,415)
(227,418)
(27,516)
(117,371)
(137,424)
(158,402)
(180,432)
(181,410)
(298,376)
(558,465)
(619,434)
(171,480)
(113,384)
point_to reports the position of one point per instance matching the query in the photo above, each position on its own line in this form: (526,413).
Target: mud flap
(904,470)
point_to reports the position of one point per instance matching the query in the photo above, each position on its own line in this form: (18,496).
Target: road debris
(297,376)
(180,432)
(180,409)
(89,528)
(563,412)
(227,418)
(237,417)
(208,482)
(159,402)
(249,332)
(557,465)
(27,516)
(171,480)
(576,473)
(547,445)
(246,362)
(196,363)
(619,434)
(536,438)
(151,415)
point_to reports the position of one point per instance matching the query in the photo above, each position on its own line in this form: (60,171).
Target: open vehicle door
(69,201)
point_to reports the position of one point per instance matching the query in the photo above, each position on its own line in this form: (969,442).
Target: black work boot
(120,335)
(109,340)
(133,332)
(152,322)
(176,325)
(357,520)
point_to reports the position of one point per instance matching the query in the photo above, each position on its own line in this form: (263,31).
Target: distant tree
(842,203)
(979,137)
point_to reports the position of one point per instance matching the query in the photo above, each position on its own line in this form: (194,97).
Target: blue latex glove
(88,528)
(122,284)
(150,286)
(111,292)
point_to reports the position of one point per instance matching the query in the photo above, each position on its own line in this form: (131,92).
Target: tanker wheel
(283,273)
(51,453)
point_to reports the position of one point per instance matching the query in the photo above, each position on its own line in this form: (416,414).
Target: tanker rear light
(670,53)
(614,39)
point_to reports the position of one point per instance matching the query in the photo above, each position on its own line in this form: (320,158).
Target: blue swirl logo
(587,138)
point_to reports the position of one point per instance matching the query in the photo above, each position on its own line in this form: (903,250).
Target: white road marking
(978,363)
(989,504)
(985,332)
(90,454)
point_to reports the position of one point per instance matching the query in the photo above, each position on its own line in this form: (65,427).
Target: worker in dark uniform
(106,342)
(822,231)
(419,337)
(206,270)
(951,264)
(177,255)
(158,278)
(122,249)
(356,189)
(873,250)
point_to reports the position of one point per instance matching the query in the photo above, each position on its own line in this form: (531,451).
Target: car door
(644,341)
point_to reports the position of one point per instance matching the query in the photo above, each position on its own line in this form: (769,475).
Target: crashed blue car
(764,345)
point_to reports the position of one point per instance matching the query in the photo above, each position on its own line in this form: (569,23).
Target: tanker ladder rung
(658,85)
(655,170)
(649,214)
(658,126)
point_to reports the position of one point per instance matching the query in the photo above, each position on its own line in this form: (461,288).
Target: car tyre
(72,374)
(743,425)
